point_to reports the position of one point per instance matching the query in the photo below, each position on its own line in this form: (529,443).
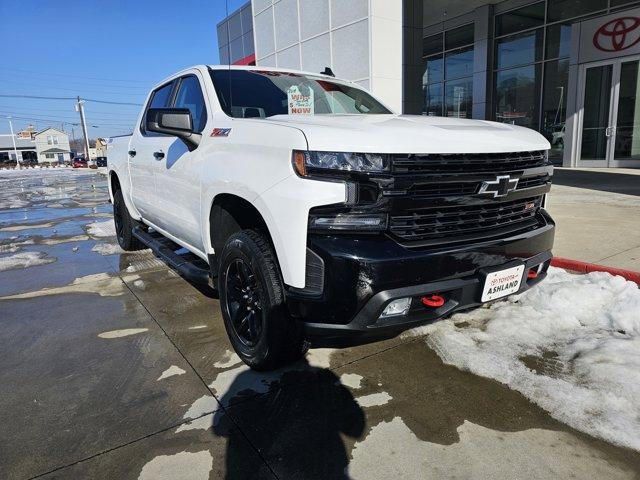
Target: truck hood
(410,134)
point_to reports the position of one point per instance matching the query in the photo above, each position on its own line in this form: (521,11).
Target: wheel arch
(230,213)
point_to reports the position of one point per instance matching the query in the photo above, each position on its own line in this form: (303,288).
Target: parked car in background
(101,161)
(79,163)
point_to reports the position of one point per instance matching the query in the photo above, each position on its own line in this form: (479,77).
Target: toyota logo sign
(617,35)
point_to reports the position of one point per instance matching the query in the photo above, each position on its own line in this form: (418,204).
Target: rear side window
(190,96)
(159,98)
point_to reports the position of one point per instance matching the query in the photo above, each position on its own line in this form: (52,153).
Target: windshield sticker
(300,100)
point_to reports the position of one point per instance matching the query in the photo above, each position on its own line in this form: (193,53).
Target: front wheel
(124,224)
(252,302)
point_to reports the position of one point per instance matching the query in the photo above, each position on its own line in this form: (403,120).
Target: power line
(49,87)
(84,83)
(68,110)
(77,76)
(69,98)
(59,120)
(66,118)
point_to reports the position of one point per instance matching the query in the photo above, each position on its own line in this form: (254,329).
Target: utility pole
(13,138)
(80,109)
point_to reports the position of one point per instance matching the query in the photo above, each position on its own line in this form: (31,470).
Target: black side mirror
(173,121)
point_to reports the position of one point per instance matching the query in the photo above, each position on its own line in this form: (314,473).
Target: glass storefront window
(563,9)
(523,18)
(517,91)
(458,98)
(558,41)
(554,106)
(433,70)
(433,99)
(519,49)
(458,37)
(459,63)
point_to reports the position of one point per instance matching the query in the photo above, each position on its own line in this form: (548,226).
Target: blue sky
(108,50)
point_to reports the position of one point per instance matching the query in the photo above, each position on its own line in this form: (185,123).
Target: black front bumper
(362,274)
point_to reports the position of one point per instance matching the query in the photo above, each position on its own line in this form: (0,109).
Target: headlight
(306,161)
(348,221)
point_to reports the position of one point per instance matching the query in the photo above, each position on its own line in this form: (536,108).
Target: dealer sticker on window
(300,100)
(502,283)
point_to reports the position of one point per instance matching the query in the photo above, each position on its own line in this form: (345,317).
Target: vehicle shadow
(297,426)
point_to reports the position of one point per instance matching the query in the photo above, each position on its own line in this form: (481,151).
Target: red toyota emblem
(618,34)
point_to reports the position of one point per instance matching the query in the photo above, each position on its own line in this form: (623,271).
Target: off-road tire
(124,225)
(280,340)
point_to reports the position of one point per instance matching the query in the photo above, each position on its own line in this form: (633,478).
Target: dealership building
(567,68)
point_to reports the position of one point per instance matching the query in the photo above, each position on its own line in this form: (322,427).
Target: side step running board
(188,265)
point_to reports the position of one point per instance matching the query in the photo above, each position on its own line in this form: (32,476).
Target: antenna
(328,71)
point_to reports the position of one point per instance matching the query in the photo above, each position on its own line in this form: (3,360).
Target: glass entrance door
(627,125)
(610,122)
(596,114)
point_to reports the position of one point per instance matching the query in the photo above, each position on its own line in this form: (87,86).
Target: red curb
(584,267)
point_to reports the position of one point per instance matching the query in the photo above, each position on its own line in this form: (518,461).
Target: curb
(584,267)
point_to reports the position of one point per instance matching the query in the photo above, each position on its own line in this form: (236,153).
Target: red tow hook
(433,301)
(533,273)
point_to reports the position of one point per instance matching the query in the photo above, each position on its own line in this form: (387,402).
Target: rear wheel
(252,302)
(124,224)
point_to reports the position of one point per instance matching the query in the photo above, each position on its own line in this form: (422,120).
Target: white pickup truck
(321,216)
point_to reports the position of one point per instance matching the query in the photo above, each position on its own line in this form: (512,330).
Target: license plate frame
(501,282)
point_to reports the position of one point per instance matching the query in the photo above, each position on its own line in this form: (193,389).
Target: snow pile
(24,260)
(571,345)
(102,229)
(107,248)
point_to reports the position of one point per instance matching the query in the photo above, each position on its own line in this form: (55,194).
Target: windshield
(264,93)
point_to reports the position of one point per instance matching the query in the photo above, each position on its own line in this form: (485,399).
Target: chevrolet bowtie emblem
(500,187)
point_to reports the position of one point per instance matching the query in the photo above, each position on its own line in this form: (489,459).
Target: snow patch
(24,260)
(107,248)
(199,327)
(170,372)
(351,380)
(102,229)
(374,399)
(229,359)
(17,228)
(99,283)
(571,345)
(181,466)
(125,332)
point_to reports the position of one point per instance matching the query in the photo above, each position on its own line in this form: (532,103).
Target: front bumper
(364,273)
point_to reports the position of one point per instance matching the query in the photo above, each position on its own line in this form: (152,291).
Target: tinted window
(562,9)
(520,19)
(517,94)
(558,41)
(190,96)
(459,63)
(458,37)
(432,44)
(433,70)
(263,93)
(519,49)
(161,97)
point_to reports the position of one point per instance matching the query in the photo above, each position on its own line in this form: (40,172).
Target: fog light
(400,306)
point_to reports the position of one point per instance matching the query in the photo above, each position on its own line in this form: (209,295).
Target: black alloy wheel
(244,302)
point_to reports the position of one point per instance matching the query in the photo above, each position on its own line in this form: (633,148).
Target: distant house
(25,147)
(52,146)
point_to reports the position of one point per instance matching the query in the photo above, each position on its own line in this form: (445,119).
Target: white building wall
(361,40)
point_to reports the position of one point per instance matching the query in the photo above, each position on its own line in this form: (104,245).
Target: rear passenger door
(142,163)
(178,174)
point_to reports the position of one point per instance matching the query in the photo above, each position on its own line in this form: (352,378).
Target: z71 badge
(220,132)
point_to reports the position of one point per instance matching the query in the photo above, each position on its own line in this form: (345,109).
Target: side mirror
(173,121)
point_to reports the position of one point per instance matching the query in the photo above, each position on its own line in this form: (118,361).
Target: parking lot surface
(113,366)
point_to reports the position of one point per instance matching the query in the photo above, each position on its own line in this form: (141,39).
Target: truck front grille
(459,222)
(467,162)
(440,189)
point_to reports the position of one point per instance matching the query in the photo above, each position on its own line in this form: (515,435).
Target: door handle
(132,153)
(610,131)
(158,155)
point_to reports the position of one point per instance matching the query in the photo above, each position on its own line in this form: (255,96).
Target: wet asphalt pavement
(112,366)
